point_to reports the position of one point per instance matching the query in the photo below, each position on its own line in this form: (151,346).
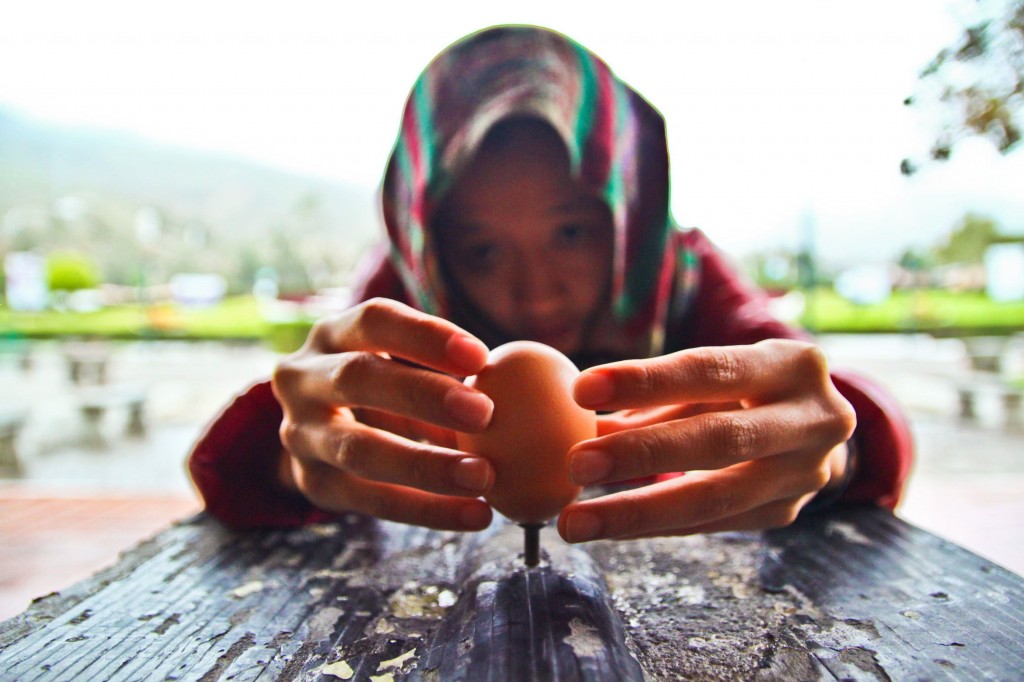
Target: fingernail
(472,408)
(476,516)
(473,474)
(467,353)
(593,390)
(589,466)
(582,526)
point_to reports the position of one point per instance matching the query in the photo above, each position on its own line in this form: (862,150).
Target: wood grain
(854,593)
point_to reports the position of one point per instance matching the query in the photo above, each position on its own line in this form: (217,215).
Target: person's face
(525,244)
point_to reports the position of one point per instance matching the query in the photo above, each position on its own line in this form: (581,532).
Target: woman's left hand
(759,430)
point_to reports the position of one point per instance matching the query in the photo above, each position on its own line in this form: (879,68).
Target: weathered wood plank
(852,594)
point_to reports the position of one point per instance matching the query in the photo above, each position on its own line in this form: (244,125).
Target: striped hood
(617,149)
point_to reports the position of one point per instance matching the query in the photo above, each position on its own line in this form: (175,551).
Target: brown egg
(534,424)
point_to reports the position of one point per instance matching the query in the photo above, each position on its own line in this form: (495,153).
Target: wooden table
(851,594)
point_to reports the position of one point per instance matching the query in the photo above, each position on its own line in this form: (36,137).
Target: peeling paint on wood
(852,594)
(251,587)
(847,532)
(584,640)
(397,661)
(340,669)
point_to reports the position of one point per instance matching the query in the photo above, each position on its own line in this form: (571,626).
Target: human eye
(480,257)
(572,234)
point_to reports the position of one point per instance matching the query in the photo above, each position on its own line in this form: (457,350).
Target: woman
(528,197)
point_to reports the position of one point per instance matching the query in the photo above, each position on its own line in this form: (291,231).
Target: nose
(537,287)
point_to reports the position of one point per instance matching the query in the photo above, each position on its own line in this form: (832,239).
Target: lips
(551,332)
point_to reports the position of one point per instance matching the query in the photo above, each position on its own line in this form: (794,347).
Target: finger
(696,499)
(362,379)
(337,491)
(413,429)
(634,419)
(776,514)
(378,455)
(708,441)
(381,325)
(710,374)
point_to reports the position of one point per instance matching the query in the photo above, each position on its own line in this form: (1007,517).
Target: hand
(365,429)
(760,430)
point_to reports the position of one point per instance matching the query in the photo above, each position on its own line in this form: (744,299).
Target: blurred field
(939,312)
(234,318)
(942,312)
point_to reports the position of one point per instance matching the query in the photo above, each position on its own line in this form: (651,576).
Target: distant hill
(235,199)
(68,188)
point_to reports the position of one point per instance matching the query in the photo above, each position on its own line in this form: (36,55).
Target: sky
(782,116)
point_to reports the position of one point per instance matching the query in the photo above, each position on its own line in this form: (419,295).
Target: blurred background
(185,187)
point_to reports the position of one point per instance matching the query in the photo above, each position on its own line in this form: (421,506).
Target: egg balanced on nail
(535,422)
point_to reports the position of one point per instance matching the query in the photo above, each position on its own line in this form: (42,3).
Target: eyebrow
(458,228)
(580,203)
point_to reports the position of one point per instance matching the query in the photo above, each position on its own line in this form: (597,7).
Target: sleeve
(883,442)
(727,310)
(234,463)
(234,466)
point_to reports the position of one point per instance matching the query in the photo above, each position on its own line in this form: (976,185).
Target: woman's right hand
(371,404)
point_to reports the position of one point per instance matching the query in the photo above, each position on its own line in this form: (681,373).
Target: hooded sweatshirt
(670,288)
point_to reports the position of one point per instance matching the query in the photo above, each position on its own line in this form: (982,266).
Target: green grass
(933,311)
(233,318)
(937,312)
(237,317)
(116,322)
